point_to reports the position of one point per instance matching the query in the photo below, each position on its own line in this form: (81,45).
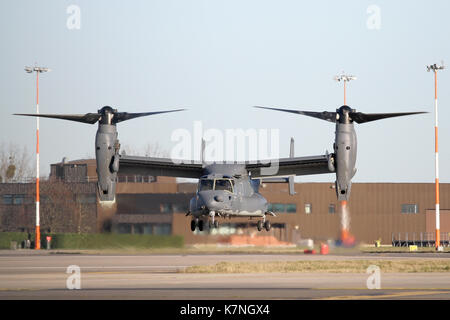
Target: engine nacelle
(345,153)
(106,153)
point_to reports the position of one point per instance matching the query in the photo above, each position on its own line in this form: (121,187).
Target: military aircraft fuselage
(227,190)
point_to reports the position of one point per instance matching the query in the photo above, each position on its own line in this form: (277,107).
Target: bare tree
(58,209)
(15,163)
(151,149)
(155,150)
(65,209)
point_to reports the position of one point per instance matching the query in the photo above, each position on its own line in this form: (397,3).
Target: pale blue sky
(219,58)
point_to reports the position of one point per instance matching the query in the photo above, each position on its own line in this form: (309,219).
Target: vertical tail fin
(202,152)
(291,149)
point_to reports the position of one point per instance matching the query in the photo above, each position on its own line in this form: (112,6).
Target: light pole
(37,70)
(435,69)
(345,78)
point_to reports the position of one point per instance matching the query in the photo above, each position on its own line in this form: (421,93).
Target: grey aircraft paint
(240,197)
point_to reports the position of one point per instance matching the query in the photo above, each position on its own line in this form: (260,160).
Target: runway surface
(27,275)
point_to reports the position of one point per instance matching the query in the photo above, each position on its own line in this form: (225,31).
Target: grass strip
(343,266)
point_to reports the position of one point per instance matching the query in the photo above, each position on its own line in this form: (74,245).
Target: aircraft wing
(289,166)
(132,165)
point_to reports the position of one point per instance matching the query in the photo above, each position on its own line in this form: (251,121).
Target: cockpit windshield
(206,184)
(215,184)
(223,184)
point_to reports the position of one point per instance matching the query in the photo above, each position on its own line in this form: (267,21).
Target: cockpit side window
(206,184)
(224,184)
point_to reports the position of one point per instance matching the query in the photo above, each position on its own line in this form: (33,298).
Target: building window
(291,208)
(18,199)
(308,208)
(166,208)
(332,208)
(138,228)
(7,199)
(278,207)
(162,229)
(180,207)
(410,208)
(148,229)
(282,207)
(124,228)
(145,228)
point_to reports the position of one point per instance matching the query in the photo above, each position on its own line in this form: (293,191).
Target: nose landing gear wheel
(267,225)
(200,225)
(259,225)
(216,224)
(193,225)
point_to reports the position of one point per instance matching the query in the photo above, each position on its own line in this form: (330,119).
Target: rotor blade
(325,115)
(123,116)
(360,117)
(90,118)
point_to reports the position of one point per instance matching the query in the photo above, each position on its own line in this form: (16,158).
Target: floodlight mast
(38,231)
(435,68)
(345,78)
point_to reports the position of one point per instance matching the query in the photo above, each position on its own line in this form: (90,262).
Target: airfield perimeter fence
(420,239)
(126,179)
(119,178)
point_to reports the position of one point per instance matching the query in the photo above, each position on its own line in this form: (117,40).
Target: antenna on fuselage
(202,152)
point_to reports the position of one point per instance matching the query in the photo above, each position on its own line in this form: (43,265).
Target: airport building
(158,205)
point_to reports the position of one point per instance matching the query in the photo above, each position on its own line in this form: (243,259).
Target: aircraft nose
(212,200)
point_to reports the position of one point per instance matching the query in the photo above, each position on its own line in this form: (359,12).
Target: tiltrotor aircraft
(224,189)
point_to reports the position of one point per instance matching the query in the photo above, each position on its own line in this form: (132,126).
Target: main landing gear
(199,223)
(196,223)
(214,224)
(264,223)
(212,221)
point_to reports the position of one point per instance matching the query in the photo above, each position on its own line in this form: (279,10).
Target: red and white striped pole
(435,69)
(38,224)
(38,228)
(345,100)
